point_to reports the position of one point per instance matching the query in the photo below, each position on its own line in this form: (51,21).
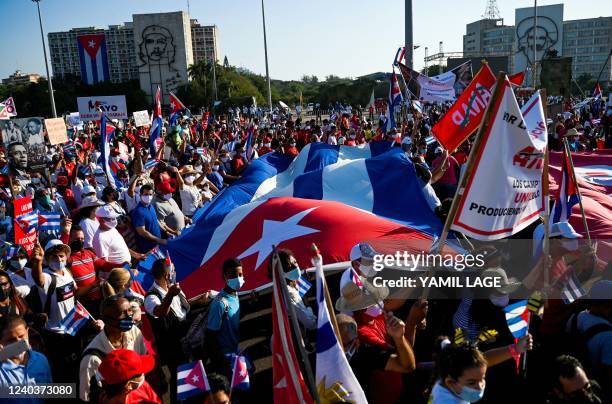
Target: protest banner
(504,193)
(25,234)
(28,131)
(74,120)
(141,118)
(7,108)
(113,105)
(56,131)
(123,151)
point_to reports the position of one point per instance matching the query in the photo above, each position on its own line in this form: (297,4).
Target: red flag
(175,103)
(287,380)
(597,91)
(517,78)
(466,114)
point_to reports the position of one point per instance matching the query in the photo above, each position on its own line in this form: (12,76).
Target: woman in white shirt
(89,223)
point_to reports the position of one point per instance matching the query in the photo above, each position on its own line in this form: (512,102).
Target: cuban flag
(10,251)
(303,286)
(75,319)
(200,150)
(395,99)
(156,125)
(240,374)
(333,196)
(93,59)
(517,317)
(597,91)
(417,105)
(249,144)
(572,290)
(176,109)
(106,136)
(191,380)
(69,148)
(568,193)
(49,221)
(150,164)
(333,368)
(27,221)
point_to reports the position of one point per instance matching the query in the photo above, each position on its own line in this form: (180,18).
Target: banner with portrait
(29,132)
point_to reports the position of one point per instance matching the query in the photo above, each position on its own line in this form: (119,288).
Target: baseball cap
(107,212)
(361,250)
(56,244)
(121,365)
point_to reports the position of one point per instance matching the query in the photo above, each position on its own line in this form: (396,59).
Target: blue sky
(347,38)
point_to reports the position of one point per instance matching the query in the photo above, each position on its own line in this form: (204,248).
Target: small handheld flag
(303,286)
(191,380)
(517,317)
(49,221)
(150,164)
(572,290)
(240,374)
(27,221)
(535,304)
(200,150)
(75,319)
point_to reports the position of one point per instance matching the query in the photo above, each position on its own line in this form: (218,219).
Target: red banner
(26,240)
(466,114)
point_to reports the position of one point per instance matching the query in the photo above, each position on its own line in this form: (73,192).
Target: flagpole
(263,17)
(49,81)
(535,54)
(569,157)
(546,195)
(295,325)
(484,126)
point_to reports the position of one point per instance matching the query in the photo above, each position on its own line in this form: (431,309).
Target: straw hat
(355,298)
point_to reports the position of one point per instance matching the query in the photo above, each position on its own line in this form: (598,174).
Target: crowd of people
(400,349)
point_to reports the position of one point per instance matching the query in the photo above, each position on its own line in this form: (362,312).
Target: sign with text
(25,230)
(504,193)
(56,131)
(113,105)
(141,118)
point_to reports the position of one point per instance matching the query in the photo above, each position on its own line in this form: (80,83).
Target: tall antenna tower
(491,12)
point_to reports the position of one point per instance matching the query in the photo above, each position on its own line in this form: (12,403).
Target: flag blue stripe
(82,62)
(105,72)
(94,69)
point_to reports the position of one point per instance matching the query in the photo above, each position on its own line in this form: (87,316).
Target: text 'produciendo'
(415,261)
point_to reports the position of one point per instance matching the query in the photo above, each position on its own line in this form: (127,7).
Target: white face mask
(137,189)
(500,301)
(215,168)
(19,264)
(570,245)
(146,199)
(57,265)
(112,223)
(374,311)
(267,144)
(167,197)
(294,274)
(367,270)
(189,179)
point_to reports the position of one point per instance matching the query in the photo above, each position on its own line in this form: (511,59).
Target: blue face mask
(294,274)
(126,324)
(235,283)
(471,395)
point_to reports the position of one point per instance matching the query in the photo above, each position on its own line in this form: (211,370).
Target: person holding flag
(395,99)
(157,124)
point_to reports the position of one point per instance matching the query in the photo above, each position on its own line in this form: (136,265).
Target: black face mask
(4,293)
(77,245)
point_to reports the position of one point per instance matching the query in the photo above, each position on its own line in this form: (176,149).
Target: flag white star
(275,232)
(195,378)
(91,44)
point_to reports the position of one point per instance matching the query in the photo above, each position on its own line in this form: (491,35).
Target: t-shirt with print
(227,323)
(62,298)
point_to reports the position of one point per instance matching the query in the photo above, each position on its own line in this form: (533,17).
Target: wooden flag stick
(569,157)
(546,195)
(484,127)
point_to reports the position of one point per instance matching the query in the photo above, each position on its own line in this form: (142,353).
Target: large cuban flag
(92,55)
(333,196)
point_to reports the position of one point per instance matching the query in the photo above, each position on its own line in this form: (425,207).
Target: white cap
(361,250)
(55,243)
(438,150)
(88,189)
(107,212)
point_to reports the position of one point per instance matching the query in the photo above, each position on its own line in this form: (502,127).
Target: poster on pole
(74,120)
(504,193)
(141,118)
(113,105)
(29,132)
(56,131)
(26,222)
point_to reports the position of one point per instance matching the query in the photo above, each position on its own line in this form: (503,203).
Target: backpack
(194,341)
(579,340)
(33,298)
(95,387)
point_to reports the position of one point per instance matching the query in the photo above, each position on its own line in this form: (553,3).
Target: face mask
(198,168)
(352,136)
(189,179)
(19,264)
(167,197)
(224,159)
(471,395)
(500,301)
(422,151)
(4,293)
(126,324)
(137,384)
(112,223)
(570,245)
(367,270)
(267,144)
(77,245)
(235,283)
(292,144)
(374,311)
(215,168)
(45,201)
(146,199)
(294,274)
(56,265)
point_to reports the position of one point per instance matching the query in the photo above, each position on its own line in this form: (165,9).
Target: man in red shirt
(266,148)
(123,378)
(85,265)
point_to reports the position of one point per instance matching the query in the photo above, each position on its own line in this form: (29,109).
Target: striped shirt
(83,268)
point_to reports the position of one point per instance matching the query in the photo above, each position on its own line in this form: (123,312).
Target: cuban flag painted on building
(333,196)
(93,58)
(568,193)
(517,317)
(333,369)
(395,99)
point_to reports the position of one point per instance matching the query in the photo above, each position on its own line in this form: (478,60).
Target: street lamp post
(408,43)
(42,37)
(263,17)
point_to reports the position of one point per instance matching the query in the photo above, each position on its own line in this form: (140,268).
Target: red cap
(121,365)
(165,187)
(62,181)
